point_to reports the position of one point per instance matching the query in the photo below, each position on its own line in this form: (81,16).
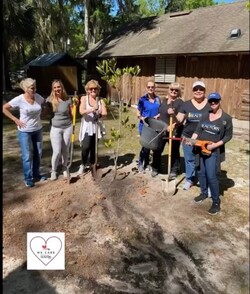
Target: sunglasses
(198,89)
(92,89)
(215,101)
(150,87)
(174,90)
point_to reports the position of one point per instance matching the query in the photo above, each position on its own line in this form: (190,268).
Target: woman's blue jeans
(31,152)
(207,174)
(144,157)
(144,153)
(189,158)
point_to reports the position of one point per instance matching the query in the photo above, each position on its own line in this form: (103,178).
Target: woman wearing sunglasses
(148,106)
(217,128)
(191,112)
(91,107)
(173,100)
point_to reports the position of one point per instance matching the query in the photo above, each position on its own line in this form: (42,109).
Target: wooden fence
(235,93)
(226,74)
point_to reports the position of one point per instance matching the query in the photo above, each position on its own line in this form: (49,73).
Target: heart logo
(45,250)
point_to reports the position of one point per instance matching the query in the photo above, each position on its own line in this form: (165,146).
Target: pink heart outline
(45,242)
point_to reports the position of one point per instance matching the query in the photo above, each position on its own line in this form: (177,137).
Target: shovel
(96,173)
(170,186)
(72,137)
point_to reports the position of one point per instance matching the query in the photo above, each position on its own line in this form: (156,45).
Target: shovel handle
(72,136)
(170,143)
(73,124)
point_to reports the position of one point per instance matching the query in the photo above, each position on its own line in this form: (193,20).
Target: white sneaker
(140,168)
(209,192)
(66,174)
(148,168)
(187,185)
(53,176)
(81,169)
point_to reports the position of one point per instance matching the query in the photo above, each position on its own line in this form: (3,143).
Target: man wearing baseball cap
(216,127)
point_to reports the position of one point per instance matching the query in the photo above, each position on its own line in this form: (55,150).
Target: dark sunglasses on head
(174,90)
(150,87)
(215,101)
(198,89)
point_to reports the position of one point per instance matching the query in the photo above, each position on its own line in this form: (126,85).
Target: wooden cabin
(50,66)
(209,44)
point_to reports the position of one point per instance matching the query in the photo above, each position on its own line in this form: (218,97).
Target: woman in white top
(91,108)
(29,127)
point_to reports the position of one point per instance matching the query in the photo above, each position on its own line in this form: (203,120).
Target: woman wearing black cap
(217,128)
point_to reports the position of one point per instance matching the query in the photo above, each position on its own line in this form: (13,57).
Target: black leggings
(88,148)
(175,155)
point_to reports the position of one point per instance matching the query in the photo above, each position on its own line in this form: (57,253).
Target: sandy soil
(126,236)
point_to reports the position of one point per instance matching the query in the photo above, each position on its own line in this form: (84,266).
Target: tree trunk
(86,24)
(5,72)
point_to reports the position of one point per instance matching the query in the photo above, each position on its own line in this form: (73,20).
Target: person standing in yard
(91,108)
(191,112)
(216,127)
(173,100)
(29,127)
(61,107)
(148,107)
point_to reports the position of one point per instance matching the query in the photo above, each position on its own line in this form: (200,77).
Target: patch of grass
(11,152)
(129,139)
(10,159)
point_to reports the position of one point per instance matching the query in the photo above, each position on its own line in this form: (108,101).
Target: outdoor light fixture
(235,33)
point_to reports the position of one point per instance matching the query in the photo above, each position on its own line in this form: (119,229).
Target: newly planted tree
(113,76)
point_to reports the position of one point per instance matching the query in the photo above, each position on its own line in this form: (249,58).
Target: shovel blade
(170,187)
(68,174)
(96,172)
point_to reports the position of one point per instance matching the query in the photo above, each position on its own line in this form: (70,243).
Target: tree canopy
(33,27)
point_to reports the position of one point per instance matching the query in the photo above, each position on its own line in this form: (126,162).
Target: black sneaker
(200,198)
(215,208)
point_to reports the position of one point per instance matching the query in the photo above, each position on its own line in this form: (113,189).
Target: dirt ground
(126,236)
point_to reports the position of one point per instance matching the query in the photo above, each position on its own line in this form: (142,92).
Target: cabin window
(165,70)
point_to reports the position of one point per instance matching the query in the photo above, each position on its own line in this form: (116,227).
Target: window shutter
(165,69)
(160,70)
(170,70)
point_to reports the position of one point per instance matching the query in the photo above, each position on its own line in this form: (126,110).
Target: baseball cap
(199,83)
(215,96)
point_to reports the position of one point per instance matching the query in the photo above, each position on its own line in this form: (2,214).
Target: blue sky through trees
(115,7)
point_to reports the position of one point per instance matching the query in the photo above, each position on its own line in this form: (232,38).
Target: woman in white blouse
(91,108)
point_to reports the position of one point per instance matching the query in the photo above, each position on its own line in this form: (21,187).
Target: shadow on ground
(21,280)
(225,182)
